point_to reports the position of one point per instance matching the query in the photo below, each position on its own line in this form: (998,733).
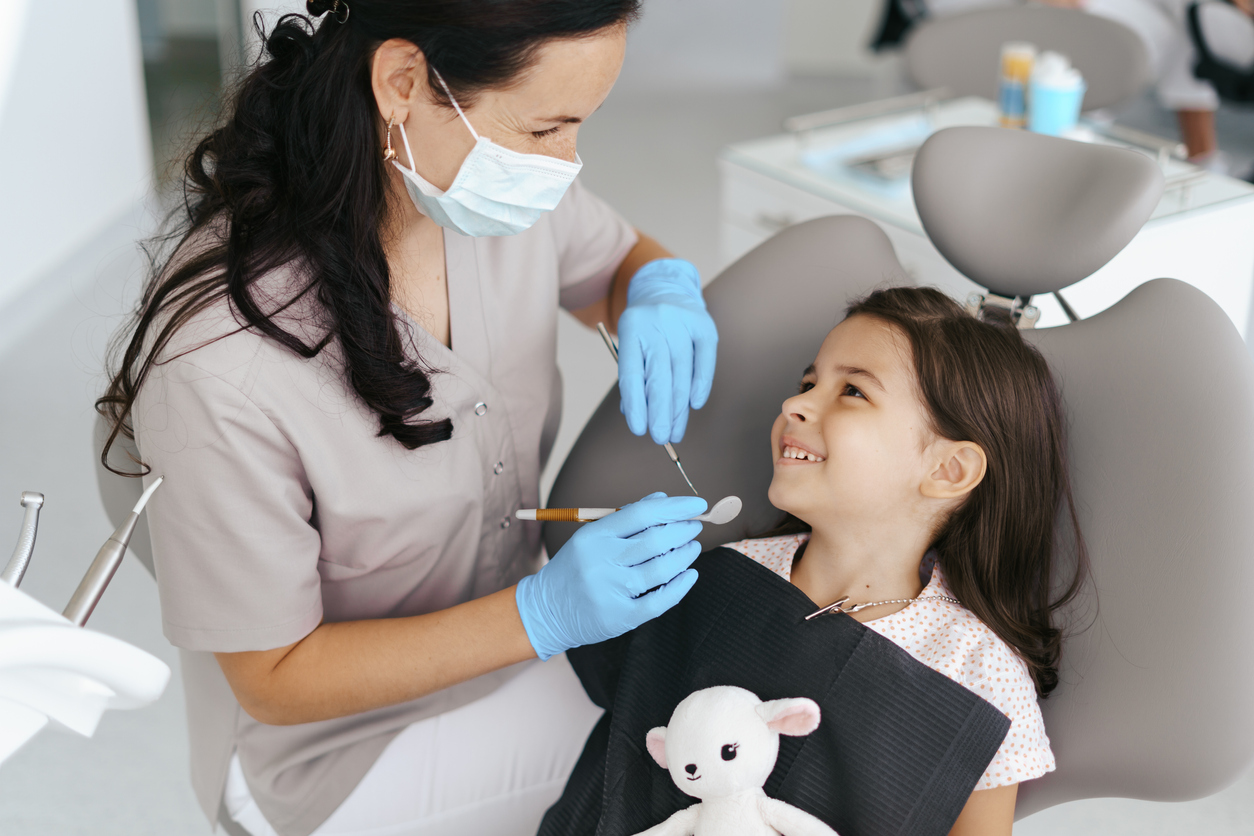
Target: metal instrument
(13,572)
(670,449)
(107,561)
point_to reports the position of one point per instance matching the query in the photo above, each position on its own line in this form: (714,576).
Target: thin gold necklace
(839,606)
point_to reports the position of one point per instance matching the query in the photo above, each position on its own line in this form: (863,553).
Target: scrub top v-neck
(283,508)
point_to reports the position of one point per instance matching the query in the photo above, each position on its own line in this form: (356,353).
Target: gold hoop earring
(389,153)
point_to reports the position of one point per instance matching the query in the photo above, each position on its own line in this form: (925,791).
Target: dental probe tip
(143,500)
(685,475)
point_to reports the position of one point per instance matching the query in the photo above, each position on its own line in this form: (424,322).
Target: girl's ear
(962,466)
(398,74)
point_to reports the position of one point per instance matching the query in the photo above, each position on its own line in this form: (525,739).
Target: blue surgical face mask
(496,192)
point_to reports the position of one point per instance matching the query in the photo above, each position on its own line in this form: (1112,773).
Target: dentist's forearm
(608,310)
(354,666)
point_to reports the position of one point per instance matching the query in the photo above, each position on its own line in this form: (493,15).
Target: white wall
(701,43)
(706,43)
(189,18)
(13,13)
(685,43)
(74,143)
(829,37)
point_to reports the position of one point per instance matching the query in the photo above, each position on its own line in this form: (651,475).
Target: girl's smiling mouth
(792,451)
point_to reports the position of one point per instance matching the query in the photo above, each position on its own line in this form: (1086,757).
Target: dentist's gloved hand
(595,587)
(666,348)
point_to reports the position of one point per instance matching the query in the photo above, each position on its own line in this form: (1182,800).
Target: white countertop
(814,162)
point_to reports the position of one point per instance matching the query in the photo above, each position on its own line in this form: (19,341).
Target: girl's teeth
(797,453)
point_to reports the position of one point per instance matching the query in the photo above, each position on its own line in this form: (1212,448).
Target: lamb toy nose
(691,769)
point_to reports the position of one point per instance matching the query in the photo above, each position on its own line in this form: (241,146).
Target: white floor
(653,157)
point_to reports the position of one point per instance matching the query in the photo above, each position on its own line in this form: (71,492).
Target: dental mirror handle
(32,501)
(563,514)
(670,450)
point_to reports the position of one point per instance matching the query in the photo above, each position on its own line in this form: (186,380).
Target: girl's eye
(549,132)
(729,751)
(804,387)
(853,391)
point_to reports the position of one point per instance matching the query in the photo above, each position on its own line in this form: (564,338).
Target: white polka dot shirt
(948,638)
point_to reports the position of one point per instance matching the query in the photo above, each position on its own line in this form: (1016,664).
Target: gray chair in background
(962,52)
(1159,389)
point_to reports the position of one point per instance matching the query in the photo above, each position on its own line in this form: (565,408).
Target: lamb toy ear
(655,742)
(796,717)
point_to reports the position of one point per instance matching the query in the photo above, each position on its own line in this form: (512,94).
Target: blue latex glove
(666,348)
(597,585)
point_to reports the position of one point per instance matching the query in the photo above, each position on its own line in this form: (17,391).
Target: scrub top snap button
(481,409)
(498,468)
(505,522)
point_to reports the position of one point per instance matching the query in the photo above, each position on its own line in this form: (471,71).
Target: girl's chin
(781,499)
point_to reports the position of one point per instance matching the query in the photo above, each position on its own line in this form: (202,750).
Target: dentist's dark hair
(981,382)
(294,175)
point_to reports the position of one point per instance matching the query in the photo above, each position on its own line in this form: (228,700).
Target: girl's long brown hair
(981,382)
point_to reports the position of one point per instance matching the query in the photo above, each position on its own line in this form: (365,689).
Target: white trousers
(490,767)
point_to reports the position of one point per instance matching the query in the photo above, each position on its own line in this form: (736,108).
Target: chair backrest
(1155,686)
(962,52)
(1020,213)
(120,493)
(1159,391)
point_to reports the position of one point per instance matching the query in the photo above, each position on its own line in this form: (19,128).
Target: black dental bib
(899,750)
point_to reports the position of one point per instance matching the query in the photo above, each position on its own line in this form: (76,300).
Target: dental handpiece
(32,501)
(670,448)
(107,561)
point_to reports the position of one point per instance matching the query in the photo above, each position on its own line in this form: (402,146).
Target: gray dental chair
(1155,687)
(961,52)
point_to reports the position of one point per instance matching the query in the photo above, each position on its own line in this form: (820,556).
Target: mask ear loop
(408,153)
(449,92)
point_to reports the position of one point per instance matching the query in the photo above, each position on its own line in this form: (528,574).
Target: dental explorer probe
(107,561)
(670,449)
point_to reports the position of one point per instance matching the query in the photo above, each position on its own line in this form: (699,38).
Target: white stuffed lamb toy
(720,747)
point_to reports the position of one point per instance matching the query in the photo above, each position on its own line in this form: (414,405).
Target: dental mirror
(723,512)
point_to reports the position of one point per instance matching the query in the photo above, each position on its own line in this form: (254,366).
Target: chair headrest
(962,52)
(1022,214)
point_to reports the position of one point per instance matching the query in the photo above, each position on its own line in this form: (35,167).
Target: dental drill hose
(106,564)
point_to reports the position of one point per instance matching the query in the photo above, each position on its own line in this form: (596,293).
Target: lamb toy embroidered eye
(728,777)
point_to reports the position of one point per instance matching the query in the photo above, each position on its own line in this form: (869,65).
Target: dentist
(345,367)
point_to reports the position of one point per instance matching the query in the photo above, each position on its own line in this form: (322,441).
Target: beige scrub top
(283,508)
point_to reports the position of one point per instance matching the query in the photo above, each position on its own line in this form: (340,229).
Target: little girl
(922,466)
